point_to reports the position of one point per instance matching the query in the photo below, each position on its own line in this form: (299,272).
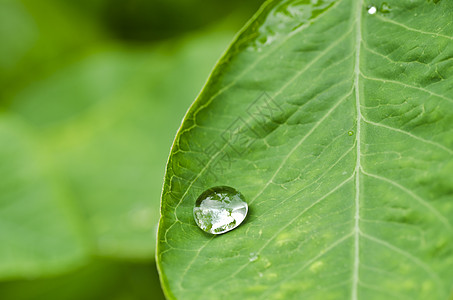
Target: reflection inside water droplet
(220,209)
(372,10)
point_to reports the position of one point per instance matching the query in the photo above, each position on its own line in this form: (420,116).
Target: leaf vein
(406,85)
(329,112)
(312,260)
(387,20)
(409,134)
(406,254)
(422,201)
(358,43)
(288,224)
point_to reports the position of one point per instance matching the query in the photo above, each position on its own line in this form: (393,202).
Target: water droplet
(350,132)
(385,8)
(220,209)
(372,10)
(253,257)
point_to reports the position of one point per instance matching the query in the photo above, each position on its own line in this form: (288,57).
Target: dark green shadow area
(101,279)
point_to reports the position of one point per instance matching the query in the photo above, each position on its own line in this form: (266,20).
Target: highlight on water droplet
(372,9)
(220,209)
(253,257)
(350,132)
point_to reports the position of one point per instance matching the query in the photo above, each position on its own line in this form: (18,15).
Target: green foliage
(335,123)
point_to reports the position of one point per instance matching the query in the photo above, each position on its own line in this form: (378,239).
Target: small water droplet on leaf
(220,209)
(253,257)
(385,8)
(350,132)
(372,9)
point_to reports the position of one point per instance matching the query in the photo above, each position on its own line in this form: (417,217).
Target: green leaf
(102,128)
(335,122)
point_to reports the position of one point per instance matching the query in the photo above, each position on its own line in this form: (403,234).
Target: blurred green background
(92,94)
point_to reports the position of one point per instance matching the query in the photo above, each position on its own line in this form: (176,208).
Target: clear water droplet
(253,257)
(350,132)
(220,209)
(372,10)
(385,8)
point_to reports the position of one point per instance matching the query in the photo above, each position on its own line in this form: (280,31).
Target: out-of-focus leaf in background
(91,96)
(100,280)
(39,231)
(39,37)
(107,123)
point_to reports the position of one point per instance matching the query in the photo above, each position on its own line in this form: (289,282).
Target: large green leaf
(334,119)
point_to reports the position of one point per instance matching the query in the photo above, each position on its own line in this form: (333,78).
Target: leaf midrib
(358,42)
